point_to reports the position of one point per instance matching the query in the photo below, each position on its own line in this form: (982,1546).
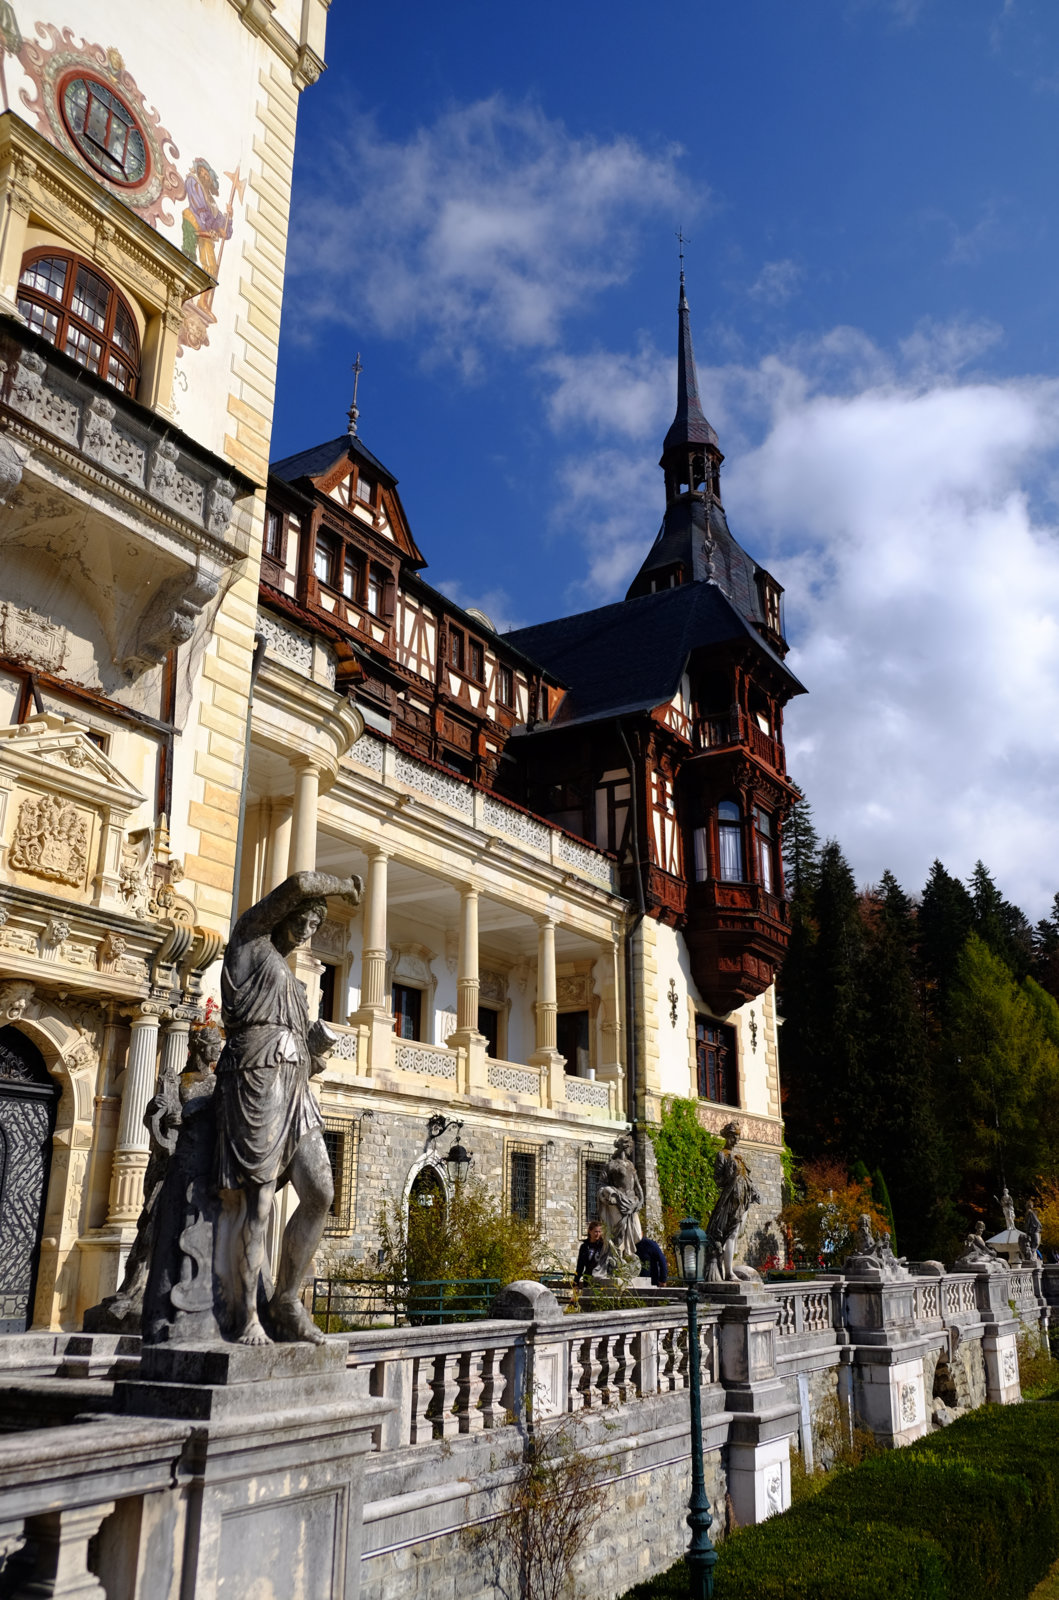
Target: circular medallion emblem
(104,130)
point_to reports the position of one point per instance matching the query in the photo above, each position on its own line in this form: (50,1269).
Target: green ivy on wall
(684,1156)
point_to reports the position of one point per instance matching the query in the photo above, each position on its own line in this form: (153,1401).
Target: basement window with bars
(593,1177)
(523,1181)
(341,1137)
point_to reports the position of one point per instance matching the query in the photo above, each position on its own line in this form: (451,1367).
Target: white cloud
(492,603)
(897,498)
(776,283)
(488,227)
(924,598)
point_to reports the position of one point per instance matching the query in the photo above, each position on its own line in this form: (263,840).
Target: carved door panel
(28,1098)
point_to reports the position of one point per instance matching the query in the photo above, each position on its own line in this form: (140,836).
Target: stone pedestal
(763,1418)
(999,1337)
(888,1387)
(276,1473)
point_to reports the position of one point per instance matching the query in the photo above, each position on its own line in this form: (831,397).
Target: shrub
(823,1219)
(471,1238)
(971,1513)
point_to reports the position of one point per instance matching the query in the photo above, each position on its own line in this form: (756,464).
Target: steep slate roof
(629,657)
(322,457)
(696,534)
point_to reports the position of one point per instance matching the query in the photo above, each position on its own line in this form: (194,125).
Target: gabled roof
(314,463)
(630,656)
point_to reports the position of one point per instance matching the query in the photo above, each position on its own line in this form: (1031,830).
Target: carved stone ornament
(55,933)
(10,470)
(111,949)
(492,987)
(15,996)
(220,498)
(27,635)
(137,871)
(51,840)
(28,381)
(574,991)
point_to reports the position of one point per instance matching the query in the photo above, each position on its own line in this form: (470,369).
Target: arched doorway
(28,1098)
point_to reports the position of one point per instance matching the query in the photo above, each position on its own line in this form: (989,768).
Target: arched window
(82,313)
(764,843)
(730,840)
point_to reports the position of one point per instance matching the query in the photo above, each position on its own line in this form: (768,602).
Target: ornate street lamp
(692,1247)
(458,1161)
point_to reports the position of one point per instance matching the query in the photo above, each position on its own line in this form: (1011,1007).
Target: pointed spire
(689,425)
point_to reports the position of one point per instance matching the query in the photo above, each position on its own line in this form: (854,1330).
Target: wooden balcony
(735,729)
(737,935)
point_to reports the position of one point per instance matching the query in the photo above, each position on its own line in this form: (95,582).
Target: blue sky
(485,205)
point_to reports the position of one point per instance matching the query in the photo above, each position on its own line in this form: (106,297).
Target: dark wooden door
(28,1097)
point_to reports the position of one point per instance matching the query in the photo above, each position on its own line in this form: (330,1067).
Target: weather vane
(354,412)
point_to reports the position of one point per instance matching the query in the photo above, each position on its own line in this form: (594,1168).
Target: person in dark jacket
(594,1255)
(654,1259)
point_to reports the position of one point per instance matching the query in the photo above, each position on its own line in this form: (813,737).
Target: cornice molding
(259,18)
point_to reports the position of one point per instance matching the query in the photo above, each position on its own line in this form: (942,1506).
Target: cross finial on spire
(354,411)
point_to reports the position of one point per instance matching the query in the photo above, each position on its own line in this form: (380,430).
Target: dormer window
(79,311)
(770,603)
(365,490)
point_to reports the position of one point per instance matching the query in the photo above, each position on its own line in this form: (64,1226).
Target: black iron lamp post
(692,1248)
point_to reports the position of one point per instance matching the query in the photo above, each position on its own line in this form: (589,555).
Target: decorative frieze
(367,752)
(27,635)
(516,824)
(287,644)
(450,791)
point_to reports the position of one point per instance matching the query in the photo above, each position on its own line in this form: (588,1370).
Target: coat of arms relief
(51,840)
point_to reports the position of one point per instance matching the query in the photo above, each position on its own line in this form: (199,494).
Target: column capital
(311,763)
(147,1012)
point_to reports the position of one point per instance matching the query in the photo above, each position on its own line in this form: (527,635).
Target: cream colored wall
(669,1048)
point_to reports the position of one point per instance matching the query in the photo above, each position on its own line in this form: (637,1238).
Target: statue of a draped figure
(621,1199)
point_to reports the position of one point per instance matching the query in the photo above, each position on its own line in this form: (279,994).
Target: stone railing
(425,1060)
(465,1378)
(487,811)
(807,1308)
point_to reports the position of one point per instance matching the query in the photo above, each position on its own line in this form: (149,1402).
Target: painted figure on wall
(207,228)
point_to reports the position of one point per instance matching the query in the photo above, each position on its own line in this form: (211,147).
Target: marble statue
(620,1200)
(269,1126)
(245,1131)
(735,1195)
(873,1258)
(1007,1206)
(122,1312)
(978,1254)
(1033,1232)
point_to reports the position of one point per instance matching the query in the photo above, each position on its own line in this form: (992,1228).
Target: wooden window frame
(726,1070)
(412,988)
(279,558)
(505,687)
(457,650)
(68,320)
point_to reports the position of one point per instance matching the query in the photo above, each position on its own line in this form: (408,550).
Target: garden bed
(968,1513)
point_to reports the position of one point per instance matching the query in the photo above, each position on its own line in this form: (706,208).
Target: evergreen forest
(921,1042)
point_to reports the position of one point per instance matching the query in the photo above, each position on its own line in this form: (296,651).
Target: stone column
(303,829)
(175,1047)
(546,1054)
(373,996)
(467,971)
(466,1037)
(277,858)
(133,1147)
(374,1009)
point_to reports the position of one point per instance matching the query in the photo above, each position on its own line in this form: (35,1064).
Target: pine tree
(894,1109)
(801,851)
(999,924)
(820,1002)
(1046,951)
(946,916)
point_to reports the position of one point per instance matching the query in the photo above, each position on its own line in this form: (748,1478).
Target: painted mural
(84,99)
